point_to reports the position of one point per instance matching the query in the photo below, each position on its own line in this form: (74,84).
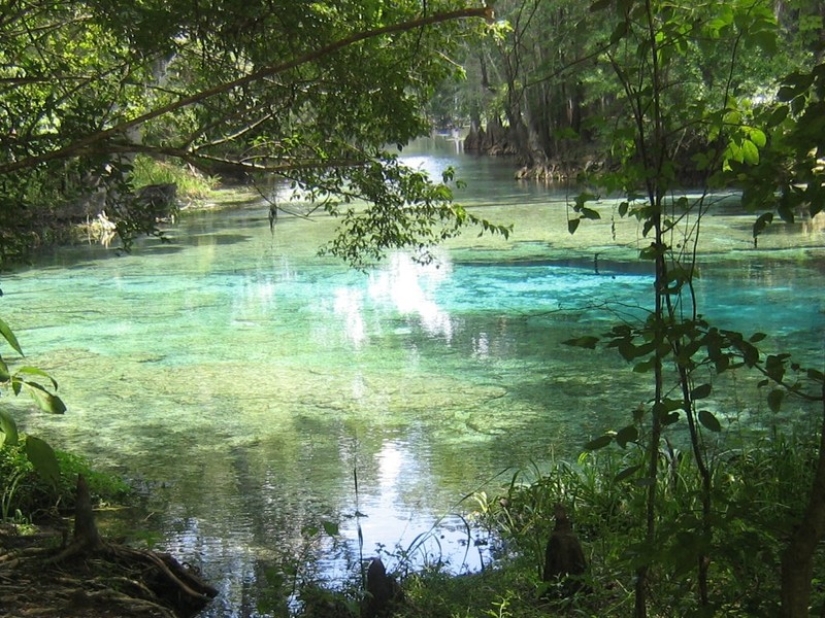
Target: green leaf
(583,342)
(45,400)
(757,337)
(627,473)
(775,398)
(761,223)
(43,459)
(778,115)
(709,421)
(626,435)
(758,138)
(573,225)
(700,392)
(589,213)
(34,371)
(8,335)
(330,527)
(750,153)
(9,429)
(671,418)
(601,442)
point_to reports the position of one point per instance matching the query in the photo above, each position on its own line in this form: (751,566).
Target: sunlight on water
(247,382)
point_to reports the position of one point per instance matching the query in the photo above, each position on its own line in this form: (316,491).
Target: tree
(307,91)
(660,55)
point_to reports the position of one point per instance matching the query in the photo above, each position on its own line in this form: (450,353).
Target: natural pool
(246,381)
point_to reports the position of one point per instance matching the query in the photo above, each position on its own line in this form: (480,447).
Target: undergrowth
(26,496)
(759,491)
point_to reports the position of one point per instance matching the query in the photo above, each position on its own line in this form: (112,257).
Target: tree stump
(564,561)
(383,592)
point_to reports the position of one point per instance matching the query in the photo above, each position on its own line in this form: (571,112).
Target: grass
(192,184)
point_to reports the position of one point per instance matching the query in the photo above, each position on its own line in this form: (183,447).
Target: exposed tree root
(93,578)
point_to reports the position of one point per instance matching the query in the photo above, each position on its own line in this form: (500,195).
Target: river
(258,392)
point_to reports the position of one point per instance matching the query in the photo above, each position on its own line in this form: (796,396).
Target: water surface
(251,384)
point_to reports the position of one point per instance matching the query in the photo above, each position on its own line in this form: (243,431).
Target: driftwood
(137,582)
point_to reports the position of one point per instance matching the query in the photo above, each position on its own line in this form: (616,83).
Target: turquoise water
(246,382)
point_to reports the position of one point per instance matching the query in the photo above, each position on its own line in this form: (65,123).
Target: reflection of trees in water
(812,225)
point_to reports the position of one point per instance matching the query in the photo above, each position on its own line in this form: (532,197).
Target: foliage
(33,497)
(551,73)
(761,494)
(28,379)
(666,115)
(308,91)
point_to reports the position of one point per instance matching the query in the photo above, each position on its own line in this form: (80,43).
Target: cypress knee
(564,561)
(383,592)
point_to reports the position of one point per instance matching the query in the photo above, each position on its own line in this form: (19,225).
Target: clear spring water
(247,382)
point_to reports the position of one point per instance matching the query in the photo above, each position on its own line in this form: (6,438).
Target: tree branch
(78,146)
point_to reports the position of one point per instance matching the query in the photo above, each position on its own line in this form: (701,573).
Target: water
(248,382)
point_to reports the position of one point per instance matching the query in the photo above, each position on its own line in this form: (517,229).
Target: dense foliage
(309,91)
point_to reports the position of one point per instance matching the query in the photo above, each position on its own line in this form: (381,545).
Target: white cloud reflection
(410,289)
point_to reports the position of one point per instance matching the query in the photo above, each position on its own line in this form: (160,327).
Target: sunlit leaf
(43,459)
(45,400)
(34,371)
(8,335)
(9,429)
(750,153)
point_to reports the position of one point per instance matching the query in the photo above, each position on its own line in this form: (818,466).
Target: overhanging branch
(88,142)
